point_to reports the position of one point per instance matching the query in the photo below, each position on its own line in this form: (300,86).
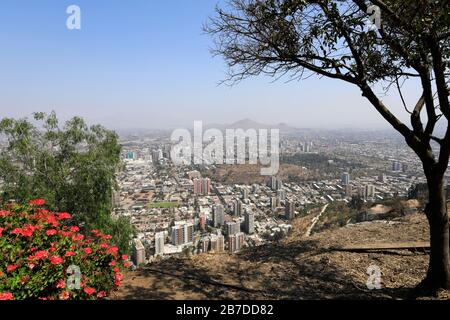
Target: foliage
(74,167)
(37,248)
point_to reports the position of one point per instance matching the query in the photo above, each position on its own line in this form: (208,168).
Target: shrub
(39,247)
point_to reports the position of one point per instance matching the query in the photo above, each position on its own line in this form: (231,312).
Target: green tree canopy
(73,167)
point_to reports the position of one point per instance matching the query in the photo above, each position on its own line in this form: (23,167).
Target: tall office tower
(382,177)
(255,188)
(289,210)
(156,156)
(348,190)
(244,193)
(138,256)
(273,183)
(396,166)
(204,244)
(345,178)
(370,191)
(279,184)
(281,195)
(218,216)
(217,243)
(249,222)
(159,243)
(202,222)
(206,188)
(236,242)
(196,186)
(237,207)
(233,227)
(273,202)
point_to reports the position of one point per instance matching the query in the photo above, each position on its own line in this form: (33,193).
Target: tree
(73,168)
(330,38)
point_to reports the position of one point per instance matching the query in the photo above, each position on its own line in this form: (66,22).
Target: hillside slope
(298,267)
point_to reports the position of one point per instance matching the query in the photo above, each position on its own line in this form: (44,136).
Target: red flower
(89,290)
(4,213)
(127,264)
(74,229)
(113,263)
(17,231)
(88,250)
(116,269)
(55,260)
(41,254)
(101,294)
(6,296)
(113,250)
(107,237)
(51,232)
(77,237)
(104,245)
(124,257)
(61,284)
(94,231)
(11,268)
(1,230)
(70,253)
(63,215)
(64,295)
(37,202)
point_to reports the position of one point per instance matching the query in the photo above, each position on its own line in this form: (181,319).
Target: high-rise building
(159,243)
(202,222)
(255,188)
(236,242)
(156,156)
(273,203)
(233,227)
(396,166)
(237,207)
(289,210)
(244,194)
(217,243)
(345,178)
(218,216)
(370,191)
(279,184)
(382,177)
(362,192)
(202,186)
(182,234)
(281,195)
(249,222)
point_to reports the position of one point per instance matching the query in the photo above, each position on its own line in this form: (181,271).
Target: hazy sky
(146,63)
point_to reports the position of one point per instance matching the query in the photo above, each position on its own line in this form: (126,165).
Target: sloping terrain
(298,267)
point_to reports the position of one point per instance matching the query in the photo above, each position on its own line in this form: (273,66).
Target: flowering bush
(39,250)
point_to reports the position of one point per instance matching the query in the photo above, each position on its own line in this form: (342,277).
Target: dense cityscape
(184,210)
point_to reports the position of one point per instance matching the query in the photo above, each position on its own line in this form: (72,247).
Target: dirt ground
(298,267)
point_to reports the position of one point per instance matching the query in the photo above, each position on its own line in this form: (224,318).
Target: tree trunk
(438,275)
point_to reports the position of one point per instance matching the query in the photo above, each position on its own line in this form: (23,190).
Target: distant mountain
(246,124)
